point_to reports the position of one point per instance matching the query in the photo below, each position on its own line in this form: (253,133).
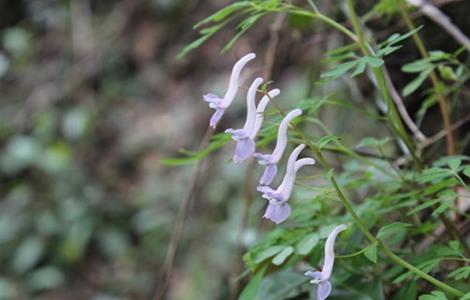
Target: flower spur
(278,210)
(270,160)
(220,104)
(322,278)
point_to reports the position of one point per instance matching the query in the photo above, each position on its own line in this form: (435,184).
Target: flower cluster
(277,210)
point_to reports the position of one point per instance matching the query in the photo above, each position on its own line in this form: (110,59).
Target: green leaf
(371,252)
(393,228)
(466,171)
(417,66)
(447,72)
(28,254)
(250,291)
(412,86)
(307,243)
(267,253)
(408,293)
(422,206)
(45,278)
(339,70)
(454,164)
(433,174)
(217,142)
(283,255)
(460,273)
(372,61)
(325,140)
(466,297)
(206,34)
(223,13)
(243,27)
(435,295)
(360,68)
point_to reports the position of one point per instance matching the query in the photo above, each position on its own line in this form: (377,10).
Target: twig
(402,109)
(442,20)
(441,99)
(179,223)
(272,44)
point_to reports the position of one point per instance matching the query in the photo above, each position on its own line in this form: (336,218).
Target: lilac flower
(220,104)
(271,160)
(278,210)
(245,145)
(322,278)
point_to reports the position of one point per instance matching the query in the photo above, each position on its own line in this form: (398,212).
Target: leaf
(243,27)
(435,295)
(443,207)
(283,255)
(360,68)
(372,61)
(460,273)
(371,252)
(267,253)
(45,278)
(250,291)
(223,13)
(417,66)
(217,142)
(372,142)
(422,206)
(433,174)
(454,164)
(466,297)
(206,34)
(307,243)
(412,86)
(339,70)
(324,140)
(466,171)
(408,293)
(28,254)
(393,228)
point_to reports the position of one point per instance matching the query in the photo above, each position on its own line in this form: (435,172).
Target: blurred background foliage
(93,97)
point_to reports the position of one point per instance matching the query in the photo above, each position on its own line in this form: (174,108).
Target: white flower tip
(342,227)
(274,93)
(250,56)
(258,80)
(296,112)
(300,147)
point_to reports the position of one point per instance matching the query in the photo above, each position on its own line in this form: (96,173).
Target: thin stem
(441,99)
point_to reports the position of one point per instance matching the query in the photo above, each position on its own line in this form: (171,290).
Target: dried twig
(179,223)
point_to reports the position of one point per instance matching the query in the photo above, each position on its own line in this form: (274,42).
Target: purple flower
(278,210)
(220,104)
(322,278)
(271,160)
(245,145)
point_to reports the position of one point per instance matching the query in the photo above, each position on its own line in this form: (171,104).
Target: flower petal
(243,150)
(212,98)
(269,174)
(324,290)
(315,275)
(329,259)
(277,213)
(216,117)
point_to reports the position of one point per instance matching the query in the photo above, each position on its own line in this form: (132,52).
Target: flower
(245,145)
(271,160)
(322,278)
(220,104)
(278,210)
